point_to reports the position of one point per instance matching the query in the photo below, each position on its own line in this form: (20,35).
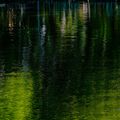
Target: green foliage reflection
(15,98)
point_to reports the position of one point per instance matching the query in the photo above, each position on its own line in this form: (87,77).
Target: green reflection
(16,96)
(72,51)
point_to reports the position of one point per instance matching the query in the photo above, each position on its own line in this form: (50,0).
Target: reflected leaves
(62,64)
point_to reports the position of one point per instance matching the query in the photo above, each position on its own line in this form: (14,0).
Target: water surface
(60,61)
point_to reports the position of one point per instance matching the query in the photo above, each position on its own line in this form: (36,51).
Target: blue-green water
(60,61)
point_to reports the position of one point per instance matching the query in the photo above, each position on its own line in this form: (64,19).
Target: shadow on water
(60,62)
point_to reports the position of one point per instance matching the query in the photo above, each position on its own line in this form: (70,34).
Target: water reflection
(59,61)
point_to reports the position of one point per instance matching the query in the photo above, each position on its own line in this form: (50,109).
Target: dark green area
(60,61)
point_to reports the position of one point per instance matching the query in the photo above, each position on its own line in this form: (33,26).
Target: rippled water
(60,61)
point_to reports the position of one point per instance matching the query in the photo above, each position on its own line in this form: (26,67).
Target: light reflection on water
(60,61)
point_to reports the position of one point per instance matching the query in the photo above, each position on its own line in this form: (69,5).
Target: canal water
(60,61)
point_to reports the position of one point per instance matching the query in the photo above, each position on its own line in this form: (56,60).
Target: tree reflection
(59,61)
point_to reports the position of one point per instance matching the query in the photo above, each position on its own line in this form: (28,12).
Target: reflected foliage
(59,61)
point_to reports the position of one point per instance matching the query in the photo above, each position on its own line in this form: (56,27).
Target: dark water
(60,61)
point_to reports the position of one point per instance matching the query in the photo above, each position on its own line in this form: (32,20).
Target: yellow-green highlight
(15,98)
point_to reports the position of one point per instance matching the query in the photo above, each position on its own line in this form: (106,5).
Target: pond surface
(60,61)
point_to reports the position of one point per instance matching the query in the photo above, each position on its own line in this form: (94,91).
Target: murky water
(60,61)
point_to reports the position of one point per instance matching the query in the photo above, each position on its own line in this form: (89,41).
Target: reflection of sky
(11,16)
